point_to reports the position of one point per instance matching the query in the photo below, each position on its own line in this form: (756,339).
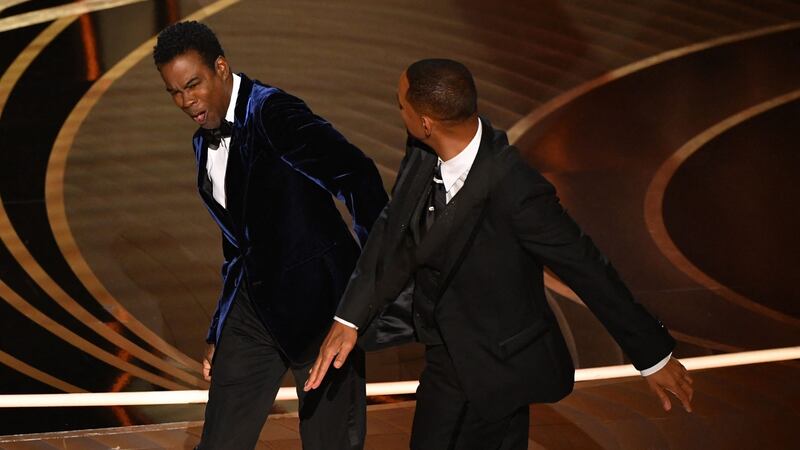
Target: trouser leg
(333,416)
(444,418)
(247,371)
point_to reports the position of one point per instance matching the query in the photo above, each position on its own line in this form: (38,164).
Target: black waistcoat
(427,284)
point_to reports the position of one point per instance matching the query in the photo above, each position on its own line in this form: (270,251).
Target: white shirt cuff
(344,322)
(659,365)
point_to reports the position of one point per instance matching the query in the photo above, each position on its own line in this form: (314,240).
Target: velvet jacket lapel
(204,185)
(229,218)
(239,154)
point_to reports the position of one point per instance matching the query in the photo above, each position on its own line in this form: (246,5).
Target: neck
(229,88)
(451,140)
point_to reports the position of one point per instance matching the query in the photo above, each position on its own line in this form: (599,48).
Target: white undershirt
(217,159)
(454,174)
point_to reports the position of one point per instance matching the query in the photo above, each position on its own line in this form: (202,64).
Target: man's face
(411,118)
(200,91)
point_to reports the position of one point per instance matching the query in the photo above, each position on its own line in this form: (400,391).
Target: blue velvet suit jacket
(283,239)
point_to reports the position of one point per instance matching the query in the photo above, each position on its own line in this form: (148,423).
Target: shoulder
(266,96)
(274,109)
(509,166)
(515,180)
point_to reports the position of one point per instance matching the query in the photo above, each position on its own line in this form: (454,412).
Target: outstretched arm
(545,229)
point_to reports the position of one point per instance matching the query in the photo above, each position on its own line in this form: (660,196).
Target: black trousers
(246,373)
(444,418)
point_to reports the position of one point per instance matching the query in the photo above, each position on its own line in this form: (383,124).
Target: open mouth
(200,117)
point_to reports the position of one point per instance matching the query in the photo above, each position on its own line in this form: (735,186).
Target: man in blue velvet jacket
(267,167)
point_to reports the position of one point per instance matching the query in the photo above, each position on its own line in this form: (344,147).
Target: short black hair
(181,37)
(443,89)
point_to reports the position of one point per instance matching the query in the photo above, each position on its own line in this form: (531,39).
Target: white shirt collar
(230,116)
(456,166)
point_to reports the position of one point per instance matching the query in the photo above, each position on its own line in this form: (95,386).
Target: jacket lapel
(464,209)
(228,218)
(236,171)
(205,188)
(407,196)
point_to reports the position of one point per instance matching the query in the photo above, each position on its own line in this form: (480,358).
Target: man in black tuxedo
(456,261)
(267,167)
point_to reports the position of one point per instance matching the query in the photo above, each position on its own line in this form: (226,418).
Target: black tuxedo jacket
(283,238)
(489,247)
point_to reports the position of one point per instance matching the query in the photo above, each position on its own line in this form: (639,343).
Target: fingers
(673,378)
(335,349)
(341,355)
(682,388)
(662,395)
(684,392)
(320,367)
(209,356)
(683,396)
(319,370)
(206,369)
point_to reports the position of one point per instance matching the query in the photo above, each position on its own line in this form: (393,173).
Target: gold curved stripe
(24,59)
(653,209)
(56,210)
(7,82)
(537,115)
(26,309)
(5,4)
(522,126)
(37,374)
(56,12)
(19,251)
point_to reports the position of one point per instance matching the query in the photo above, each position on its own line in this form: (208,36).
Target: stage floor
(741,408)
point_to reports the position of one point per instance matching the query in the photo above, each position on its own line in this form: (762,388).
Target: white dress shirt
(454,174)
(217,160)
(455,170)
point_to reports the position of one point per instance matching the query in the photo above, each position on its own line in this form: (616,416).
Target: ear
(222,68)
(427,125)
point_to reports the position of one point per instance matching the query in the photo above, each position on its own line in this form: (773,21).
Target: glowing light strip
(373,389)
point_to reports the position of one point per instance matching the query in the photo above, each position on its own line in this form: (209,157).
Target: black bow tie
(215,136)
